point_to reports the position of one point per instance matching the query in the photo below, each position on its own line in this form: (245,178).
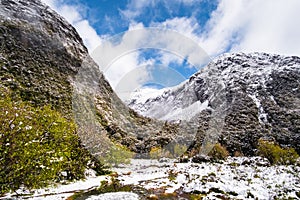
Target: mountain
(239,98)
(59,116)
(44,62)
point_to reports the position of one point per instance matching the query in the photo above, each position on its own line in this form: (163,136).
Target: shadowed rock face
(252,95)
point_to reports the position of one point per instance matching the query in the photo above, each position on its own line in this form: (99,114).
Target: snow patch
(59,192)
(188,112)
(115,196)
(262,115)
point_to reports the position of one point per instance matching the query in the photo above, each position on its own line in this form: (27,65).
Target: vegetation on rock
(117,155)
(38,146)
(171,151)
(218,152)
(275,154)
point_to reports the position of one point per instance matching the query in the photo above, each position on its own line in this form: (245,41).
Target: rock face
(40,53)
(239,98)
(44,61)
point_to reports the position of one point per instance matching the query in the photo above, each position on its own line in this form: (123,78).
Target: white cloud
(119,57)
(266,26)
(224,23)
(183,25)
(74,16)
(269,26)
(90,37)
(139,37)
(127,73)
(188,1)
(70,13)
(135,8)
(167,58)
(185,42)
(274,28)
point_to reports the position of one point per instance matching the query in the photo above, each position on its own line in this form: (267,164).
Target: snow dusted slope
(253,70)
(258,94)
(148,102)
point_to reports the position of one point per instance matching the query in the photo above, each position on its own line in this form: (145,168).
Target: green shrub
(156,153)
(116,155)
(275,154)
(37,146)
(171,151)
(218,152)
(159,152)
(179,150)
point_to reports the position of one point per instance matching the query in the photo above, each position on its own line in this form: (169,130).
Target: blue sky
(113,17)
(207,27)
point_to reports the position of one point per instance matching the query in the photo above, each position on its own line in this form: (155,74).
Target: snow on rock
(262,115)
(186,113)
(143,94)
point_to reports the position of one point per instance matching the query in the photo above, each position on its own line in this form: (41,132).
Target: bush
(275,154)
(117,155)
(156,153)
(218,152)
(37,146)
(171,151)
(179,150)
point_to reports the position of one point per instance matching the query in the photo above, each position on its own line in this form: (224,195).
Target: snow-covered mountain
(256,95)
(254,70)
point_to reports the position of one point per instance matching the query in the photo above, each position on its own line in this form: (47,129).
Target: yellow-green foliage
(275,154)
(37,146)
(173,151)
(117,155)
(179,150)
(197,196)
(156,152)
(218,152)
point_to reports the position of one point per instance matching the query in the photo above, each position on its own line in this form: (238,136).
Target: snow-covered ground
(235,178)
(115,196)
(59,192)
